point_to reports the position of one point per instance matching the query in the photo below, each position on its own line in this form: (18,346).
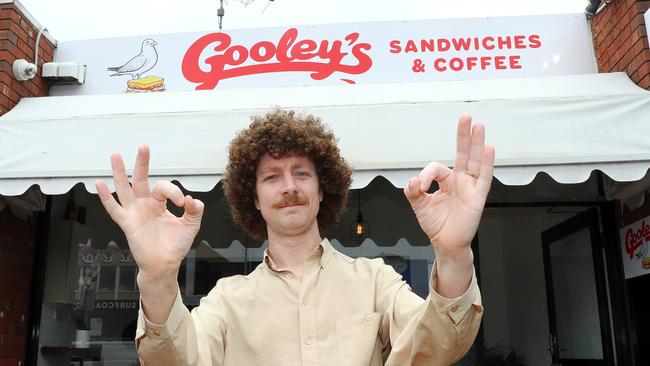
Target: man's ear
(320,195)
(257,202)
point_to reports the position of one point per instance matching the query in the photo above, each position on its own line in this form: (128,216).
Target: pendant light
(361,229)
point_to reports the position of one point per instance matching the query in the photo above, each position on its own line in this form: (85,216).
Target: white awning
(565,126)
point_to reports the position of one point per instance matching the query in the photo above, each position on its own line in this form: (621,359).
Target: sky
(87,19)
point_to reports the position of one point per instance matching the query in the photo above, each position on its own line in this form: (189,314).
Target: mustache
(292,199)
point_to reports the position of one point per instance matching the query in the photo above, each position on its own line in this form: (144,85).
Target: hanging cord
(38,38)
(220,13)
(267,5)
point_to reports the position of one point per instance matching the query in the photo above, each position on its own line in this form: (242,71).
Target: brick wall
(622,41)
(16,262)
(18,40)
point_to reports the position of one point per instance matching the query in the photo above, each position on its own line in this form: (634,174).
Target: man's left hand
(450,216)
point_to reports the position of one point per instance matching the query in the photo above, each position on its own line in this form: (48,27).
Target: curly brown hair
(283,133)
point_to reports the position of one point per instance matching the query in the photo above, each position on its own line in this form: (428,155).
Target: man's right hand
(158,239)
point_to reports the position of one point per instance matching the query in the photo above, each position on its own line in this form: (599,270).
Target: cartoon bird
(642,252)
(138,65)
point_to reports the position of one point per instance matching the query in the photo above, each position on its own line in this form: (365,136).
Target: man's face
(288,194)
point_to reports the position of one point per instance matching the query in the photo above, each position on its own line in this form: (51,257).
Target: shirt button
(454,308)
(305,301)
(289,275)
(308,341)
(367,317)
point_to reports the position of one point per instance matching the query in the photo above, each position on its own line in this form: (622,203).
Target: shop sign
(635,240)
(356,53)
(116,305)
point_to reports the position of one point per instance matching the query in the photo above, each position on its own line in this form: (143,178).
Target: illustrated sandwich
(148,84)
(645,263)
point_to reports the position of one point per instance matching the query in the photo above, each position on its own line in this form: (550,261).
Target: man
(306,304)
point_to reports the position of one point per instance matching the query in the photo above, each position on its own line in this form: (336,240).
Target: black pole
(38,283)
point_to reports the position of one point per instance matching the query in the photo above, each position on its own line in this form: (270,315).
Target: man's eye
(302,174)
(271,177)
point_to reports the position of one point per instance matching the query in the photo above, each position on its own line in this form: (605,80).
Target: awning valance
(565,126)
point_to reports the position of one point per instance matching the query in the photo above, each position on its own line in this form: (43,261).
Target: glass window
(90,291)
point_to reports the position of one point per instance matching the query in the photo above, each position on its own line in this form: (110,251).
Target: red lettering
(289,56)
(427,45)
(303,50)
(461,43)
(410,46)
(471,62)
(534,41)
(519,41)
(504,42)
(395,46)
(485,62)
(256,51)
(436,64)
(443,44)
(488,43)
(514,62)
(500,63)
(456,64)
(633,240)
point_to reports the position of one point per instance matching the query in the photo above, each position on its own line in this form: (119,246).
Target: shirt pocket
(356,335)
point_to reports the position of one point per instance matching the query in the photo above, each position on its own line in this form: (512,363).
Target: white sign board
(635,243)
(373,52)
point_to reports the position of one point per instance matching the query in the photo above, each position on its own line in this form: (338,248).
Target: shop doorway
(578,314)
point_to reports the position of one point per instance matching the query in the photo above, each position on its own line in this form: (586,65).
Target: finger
(163,191)
(487,169)
(463,143)
(114,210)
(476,151)
(193,211)
(141,172)
(122,186)
(433,171)
(412,189)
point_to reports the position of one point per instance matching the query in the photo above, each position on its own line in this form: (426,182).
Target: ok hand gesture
(158,239)
(450,216)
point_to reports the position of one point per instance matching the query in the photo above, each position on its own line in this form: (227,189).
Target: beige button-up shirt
(347,312)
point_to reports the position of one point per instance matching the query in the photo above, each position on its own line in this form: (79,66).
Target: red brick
(641,6)
(34,91)
(27,51)
(10,14)
(4,101)
(7,34)
(42,85)
(14,28)
(644,83)
(12,340)
(13,96)
(629,53)
(15,51)
(638,60)
(641,73)
(8,352)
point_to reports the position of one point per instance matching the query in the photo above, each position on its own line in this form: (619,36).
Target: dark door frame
(588,219)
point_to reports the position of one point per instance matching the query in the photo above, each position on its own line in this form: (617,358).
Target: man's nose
(290,186)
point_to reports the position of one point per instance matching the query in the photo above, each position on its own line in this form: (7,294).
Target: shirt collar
(324,250)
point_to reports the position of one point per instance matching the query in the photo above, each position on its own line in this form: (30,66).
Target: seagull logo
(137,66)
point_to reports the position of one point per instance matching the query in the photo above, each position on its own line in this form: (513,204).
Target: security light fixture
(595,6)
